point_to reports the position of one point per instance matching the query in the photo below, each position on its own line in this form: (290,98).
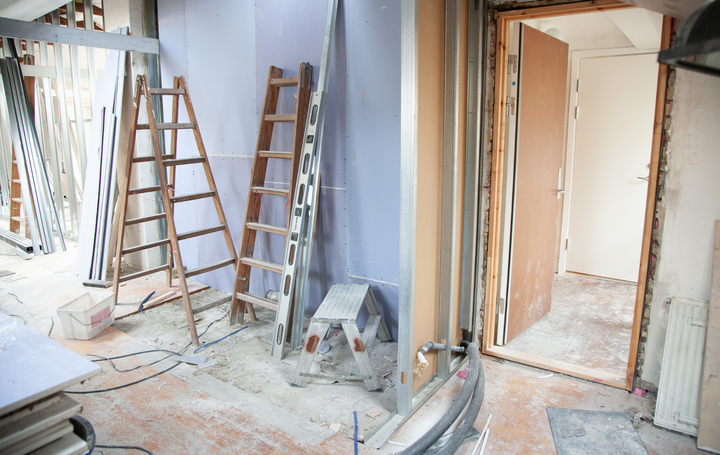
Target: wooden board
(541,131)
(137,290)
(709,421)
(431,76)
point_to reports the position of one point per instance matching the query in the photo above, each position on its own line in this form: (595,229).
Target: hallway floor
(589,324)
(192,410)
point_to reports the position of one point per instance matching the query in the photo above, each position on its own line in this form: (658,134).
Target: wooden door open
(538,157)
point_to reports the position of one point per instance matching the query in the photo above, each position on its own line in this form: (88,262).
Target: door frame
(494,252)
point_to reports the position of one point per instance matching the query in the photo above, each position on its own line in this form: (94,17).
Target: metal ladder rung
(181,161)
(167,126)
(209,268)
(280,117)
(199,232)
(285,81)
(257,300)
(145,159)
(270,191)
(270,266)
(146,246)
(132,276)
(267,228)
(192,197)
(166,91)
(278,155)
(145,219)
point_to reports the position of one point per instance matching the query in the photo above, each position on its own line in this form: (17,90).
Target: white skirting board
(678,401)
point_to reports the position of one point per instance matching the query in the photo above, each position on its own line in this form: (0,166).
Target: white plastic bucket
(87,315)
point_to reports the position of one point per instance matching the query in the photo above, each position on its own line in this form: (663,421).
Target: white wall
(692,201)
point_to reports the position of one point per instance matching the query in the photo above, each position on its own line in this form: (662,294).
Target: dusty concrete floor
(244,404)
(589,324)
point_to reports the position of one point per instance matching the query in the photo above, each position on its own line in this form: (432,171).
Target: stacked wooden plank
(40,209)
(100,191)
(34,413)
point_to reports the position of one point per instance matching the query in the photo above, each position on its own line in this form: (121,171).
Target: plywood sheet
(541,130)
(709,422)
(431,77)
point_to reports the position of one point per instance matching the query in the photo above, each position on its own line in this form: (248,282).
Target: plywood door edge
(650,206)
(558,366)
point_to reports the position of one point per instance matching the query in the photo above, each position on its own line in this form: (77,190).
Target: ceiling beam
(11,28)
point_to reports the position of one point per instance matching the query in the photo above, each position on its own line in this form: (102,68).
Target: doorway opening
(574,177)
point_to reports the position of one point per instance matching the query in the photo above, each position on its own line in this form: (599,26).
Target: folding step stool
(342,305)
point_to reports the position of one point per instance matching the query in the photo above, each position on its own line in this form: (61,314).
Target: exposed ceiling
(637,28)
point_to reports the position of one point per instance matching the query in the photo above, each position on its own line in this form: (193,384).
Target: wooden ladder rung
(271,266)
(270,191)
(280,117)
(16,181)
(144,159)
(181,161)
(141,273)
(146,246)
(149,189)
(167,126)
(279,155)
(166,91)
(267,228)
(256,300)
(192,197)
(285,81)
(18,219)
(210,305)
(145,219)
(209,268)
(199,232)
(18,200)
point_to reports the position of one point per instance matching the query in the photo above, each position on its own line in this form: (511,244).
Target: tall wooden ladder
(166,165)
(241,297)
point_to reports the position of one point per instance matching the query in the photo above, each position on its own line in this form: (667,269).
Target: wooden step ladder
(166,165)
(241,297)
(16,202)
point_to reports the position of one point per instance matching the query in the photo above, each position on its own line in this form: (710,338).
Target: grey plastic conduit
(471,414)
(440,347)
(429,438)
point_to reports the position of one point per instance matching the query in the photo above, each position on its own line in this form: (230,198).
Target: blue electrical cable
(213,342)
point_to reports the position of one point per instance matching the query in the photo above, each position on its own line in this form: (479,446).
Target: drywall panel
(373,148)
(431,76)
(691,206)
(286,34)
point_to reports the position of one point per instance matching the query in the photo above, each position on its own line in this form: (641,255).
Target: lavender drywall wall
(225,49)
(373,150)
(692,204)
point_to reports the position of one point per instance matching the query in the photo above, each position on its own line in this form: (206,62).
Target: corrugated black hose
(474,373)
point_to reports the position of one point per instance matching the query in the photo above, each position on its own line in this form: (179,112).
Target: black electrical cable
(124,385)
(124,447)
(429,438)
(110,359)
(472,411)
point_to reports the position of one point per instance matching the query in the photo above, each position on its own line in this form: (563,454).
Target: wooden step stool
(342,305)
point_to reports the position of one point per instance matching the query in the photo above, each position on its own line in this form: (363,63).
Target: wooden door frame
(504,18)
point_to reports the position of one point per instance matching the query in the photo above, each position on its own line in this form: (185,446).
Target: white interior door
(613,139)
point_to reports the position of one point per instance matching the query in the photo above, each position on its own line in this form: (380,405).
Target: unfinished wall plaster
(689,207)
